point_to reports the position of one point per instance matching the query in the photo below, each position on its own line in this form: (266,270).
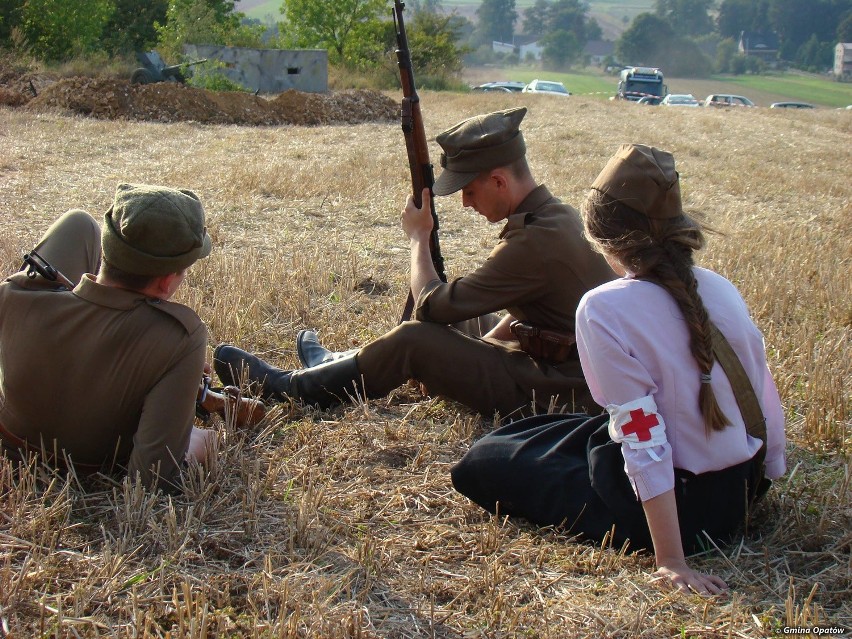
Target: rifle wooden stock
(246,411)
(416,146)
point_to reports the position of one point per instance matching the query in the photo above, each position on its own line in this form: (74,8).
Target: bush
(209,76)
(441,83)
(482,55)
(687,60)
(97,65)
(379,78)
(55,30)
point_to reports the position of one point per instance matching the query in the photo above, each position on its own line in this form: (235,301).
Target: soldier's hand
(417,222)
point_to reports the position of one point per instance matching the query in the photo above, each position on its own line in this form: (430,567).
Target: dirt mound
(173,102)
(17,88)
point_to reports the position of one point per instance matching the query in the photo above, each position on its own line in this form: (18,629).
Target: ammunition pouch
(554,347)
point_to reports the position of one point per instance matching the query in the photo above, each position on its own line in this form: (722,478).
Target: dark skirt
(564,470)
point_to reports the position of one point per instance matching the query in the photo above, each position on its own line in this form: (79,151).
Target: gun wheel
(141,76)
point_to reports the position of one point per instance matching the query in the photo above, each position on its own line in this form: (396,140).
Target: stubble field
(344,523)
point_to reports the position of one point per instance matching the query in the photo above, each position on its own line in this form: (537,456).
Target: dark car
(653,100)
(500,87)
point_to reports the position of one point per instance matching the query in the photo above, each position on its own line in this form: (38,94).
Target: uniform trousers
(72,245)
(453,362)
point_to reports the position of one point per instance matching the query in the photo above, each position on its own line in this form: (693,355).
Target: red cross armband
(638,424)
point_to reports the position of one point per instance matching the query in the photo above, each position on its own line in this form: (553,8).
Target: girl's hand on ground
(686,579)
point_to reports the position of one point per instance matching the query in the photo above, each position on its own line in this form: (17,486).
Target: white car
(546,86)
(792,105)
(680,100)
(727,100)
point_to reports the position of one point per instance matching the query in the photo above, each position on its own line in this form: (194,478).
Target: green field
(805,88)
(763,90)
(577,82)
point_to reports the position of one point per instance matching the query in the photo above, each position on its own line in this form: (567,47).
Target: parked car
(727,100)
(791,105)
(546,86)
(680,100)
(500,87)
(653,100)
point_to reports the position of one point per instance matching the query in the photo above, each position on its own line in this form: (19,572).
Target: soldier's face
(485,196)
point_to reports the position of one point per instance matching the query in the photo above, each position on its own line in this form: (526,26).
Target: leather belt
(17,444)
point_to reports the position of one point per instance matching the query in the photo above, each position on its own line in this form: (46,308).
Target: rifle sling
(755,422)
(408,310)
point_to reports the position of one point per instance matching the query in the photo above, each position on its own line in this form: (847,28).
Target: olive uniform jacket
(105,374)
(538,271)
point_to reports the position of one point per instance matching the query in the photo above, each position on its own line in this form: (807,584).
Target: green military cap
(479,144)
(154,230)
(644,179)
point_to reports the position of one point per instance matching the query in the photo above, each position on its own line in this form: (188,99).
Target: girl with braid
(669,465)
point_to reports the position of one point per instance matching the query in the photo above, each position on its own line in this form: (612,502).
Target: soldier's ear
(499,178)
(166,285)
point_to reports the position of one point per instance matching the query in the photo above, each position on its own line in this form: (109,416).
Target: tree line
(807,32)
(359,34)
(678,34)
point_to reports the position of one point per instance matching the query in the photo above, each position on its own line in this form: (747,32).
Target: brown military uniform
(103,373)
(538,272)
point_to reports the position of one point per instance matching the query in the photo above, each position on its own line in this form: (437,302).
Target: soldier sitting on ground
(106,376)
(457,346)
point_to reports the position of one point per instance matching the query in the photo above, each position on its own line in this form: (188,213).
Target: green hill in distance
(614,16)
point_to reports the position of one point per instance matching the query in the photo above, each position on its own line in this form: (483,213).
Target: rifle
(411,119)
(37,265)
(246,411)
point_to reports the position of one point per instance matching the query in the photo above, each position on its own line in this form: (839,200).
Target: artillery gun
(153,69)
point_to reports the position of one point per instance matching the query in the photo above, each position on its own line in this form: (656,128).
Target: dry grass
(343,523)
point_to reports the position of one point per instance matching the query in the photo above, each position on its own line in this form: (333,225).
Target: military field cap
(478,144)
(643,178)
(154,230)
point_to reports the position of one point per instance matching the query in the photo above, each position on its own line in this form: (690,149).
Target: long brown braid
(660,251)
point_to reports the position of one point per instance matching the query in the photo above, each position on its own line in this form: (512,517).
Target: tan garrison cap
(478,144)
(643,178)
(154,230)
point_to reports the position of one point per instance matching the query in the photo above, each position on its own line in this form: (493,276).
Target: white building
(843,59)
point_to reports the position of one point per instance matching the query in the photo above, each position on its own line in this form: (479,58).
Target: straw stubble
(343,523)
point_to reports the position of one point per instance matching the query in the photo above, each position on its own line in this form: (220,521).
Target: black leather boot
(328,384)
(325,385)
(311,353)
(234,365)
